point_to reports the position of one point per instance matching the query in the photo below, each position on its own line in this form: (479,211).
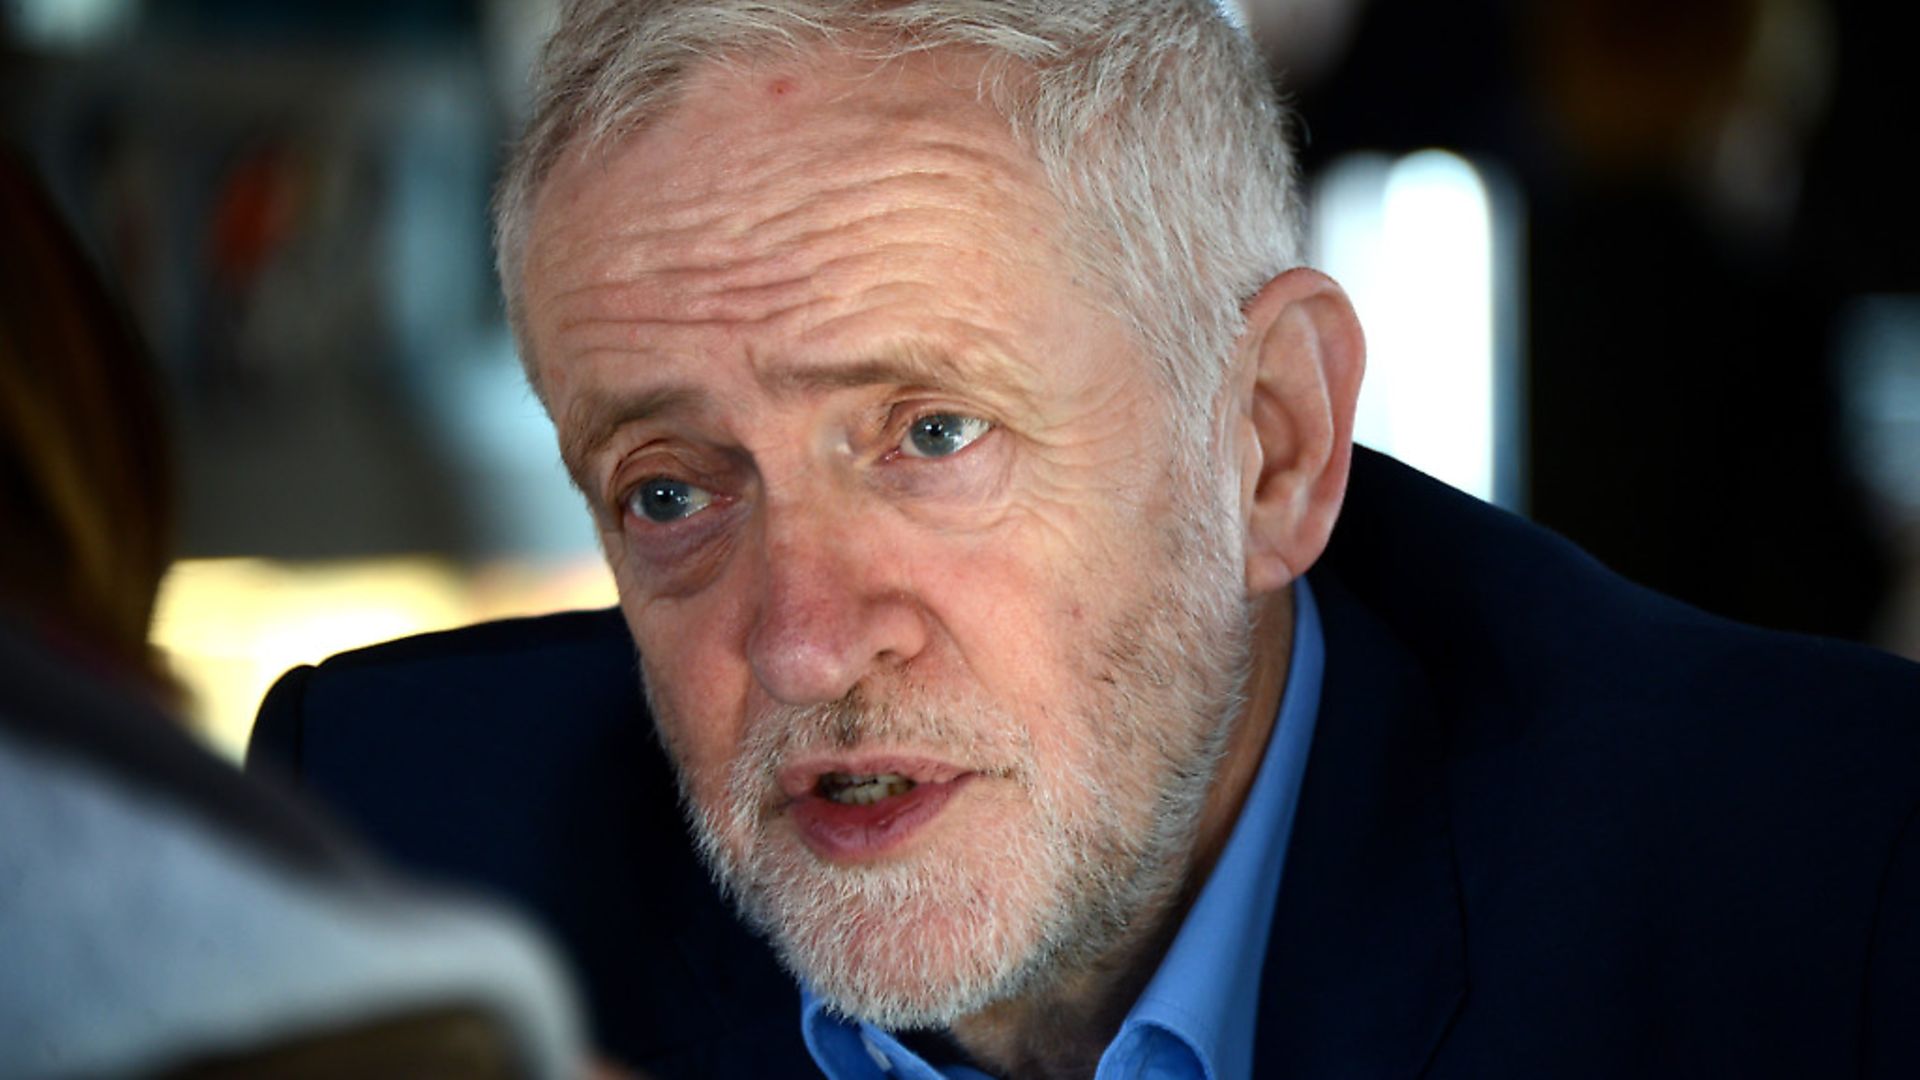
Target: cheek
(1030,620)
(694,685)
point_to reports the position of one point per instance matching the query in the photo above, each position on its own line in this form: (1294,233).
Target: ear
(1298,367)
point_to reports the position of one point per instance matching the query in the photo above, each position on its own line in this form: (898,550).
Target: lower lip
(845,833)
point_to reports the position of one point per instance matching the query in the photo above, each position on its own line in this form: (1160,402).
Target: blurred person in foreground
(161,914)
(1050,686)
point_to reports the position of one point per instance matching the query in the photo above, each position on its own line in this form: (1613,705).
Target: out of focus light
(230,627)
(1879,341)
(66,24)
(1418,246)
(1880,382)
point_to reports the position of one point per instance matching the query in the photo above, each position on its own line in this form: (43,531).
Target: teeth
(853,790)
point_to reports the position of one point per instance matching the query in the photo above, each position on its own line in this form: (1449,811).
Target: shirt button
(878,1055)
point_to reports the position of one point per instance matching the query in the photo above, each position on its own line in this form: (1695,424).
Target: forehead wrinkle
(937,176)
(774,228)
(800,239)
(877,207)
(905,364)
(620,314)
(716,194)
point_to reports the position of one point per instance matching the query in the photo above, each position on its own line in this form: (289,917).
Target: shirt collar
(1206,993)
(1196,1016)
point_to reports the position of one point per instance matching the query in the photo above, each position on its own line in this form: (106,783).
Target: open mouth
(850,789)
(857,809)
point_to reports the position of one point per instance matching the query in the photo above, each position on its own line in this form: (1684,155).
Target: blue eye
(666,501)
(942,434)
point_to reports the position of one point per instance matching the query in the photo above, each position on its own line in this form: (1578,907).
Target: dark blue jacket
(1553,825)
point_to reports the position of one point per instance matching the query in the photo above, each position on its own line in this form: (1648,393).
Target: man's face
(940,639)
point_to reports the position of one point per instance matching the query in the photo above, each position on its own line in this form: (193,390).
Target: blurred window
(68,24)
(1426,247)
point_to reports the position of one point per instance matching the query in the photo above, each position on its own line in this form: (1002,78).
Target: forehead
(758,159)
(803,225)
(723,105)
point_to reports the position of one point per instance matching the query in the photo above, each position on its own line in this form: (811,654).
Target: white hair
(1154,121)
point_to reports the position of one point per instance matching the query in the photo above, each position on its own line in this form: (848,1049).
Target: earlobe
(1303,355)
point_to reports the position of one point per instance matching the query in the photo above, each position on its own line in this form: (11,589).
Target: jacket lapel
(1367,961)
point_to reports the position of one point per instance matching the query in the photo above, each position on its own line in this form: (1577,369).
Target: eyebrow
(899,365)
(596,417)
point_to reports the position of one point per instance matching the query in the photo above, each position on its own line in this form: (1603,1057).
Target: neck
(1061,1030)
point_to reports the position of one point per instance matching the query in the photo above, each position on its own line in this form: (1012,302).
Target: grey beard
(921,943)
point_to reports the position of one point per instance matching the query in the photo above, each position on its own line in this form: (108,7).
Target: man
(961,430)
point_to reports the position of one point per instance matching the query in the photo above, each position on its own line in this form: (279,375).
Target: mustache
(841,725)
(964,732)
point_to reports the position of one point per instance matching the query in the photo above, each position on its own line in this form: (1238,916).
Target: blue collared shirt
(1195,1019)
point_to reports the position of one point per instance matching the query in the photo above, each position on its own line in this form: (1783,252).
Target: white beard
(1099,842)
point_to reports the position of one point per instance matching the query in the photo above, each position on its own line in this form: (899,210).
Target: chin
(913,942)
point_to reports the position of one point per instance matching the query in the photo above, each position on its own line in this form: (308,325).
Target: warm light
(230,627)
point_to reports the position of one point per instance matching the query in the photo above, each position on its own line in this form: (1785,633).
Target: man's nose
(829,610)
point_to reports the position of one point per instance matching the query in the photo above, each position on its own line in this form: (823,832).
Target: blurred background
(1645,271)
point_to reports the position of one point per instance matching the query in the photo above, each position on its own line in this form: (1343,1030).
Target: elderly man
(961,430)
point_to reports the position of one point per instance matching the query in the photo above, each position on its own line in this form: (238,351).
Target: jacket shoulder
(1708,826)
(512,640)
(1493,606)
(519,757)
